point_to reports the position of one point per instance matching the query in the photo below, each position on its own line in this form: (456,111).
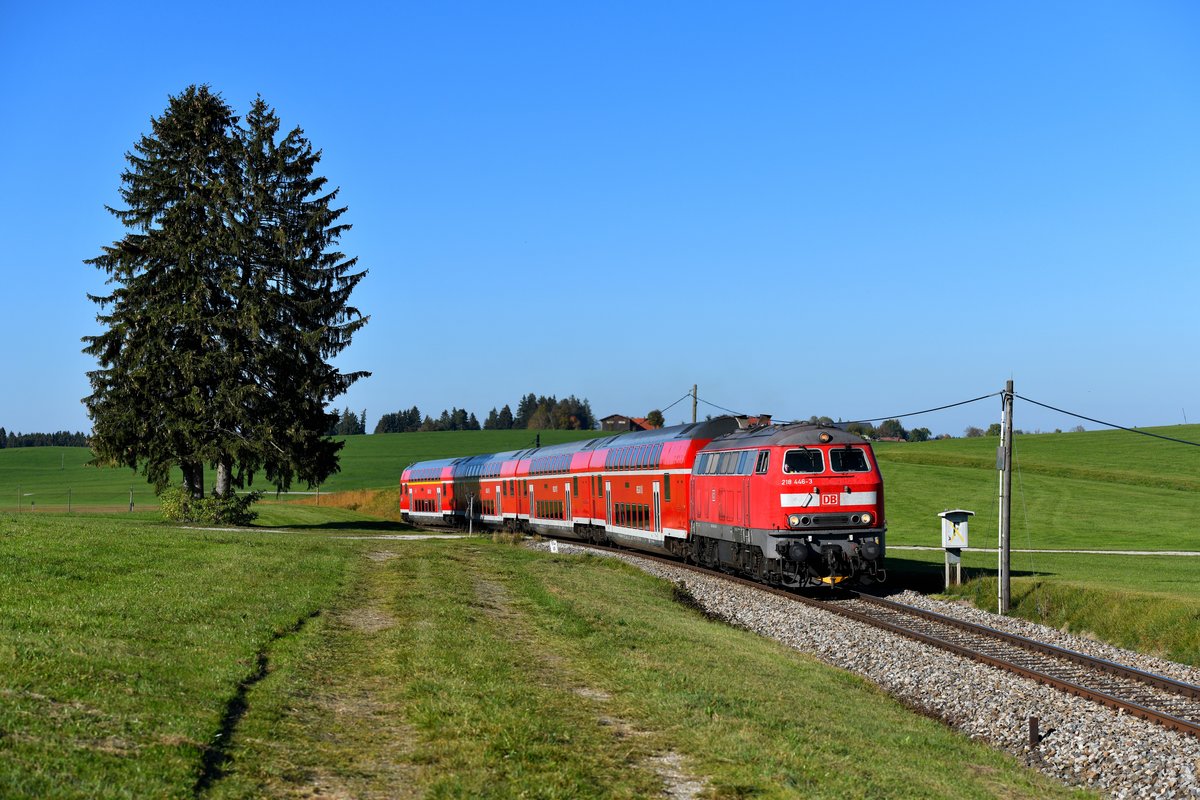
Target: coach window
(805,460)
(575,482)
(848,459)
(764,460)
(745,461)
(667,487)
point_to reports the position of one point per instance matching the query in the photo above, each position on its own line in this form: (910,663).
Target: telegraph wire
(723,408)
(926,411)
(1108,424)
(968,402)
(870,419)
(677,402)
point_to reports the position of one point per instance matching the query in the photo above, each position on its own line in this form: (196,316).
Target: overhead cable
(1108,424)
(677,402)
(926,411)
(714,405)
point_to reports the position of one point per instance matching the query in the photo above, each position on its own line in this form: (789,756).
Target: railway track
(1165,701)
(1170,703)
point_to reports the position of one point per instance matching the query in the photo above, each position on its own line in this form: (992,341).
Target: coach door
(567,489)
(499,501)
(439,499)
(608,518)
(657,507)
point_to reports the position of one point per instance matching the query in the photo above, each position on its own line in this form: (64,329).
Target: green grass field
(142,660)
(123,644)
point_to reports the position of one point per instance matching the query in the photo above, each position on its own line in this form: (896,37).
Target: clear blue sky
(806,208)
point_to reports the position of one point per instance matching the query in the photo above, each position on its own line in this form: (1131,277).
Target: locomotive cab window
(764,460)
(807,460)
(849,459)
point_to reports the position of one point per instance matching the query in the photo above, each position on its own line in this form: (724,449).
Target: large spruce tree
(229,298)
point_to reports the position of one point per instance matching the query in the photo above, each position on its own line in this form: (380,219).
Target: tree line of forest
(537,412)
(56,439)
(892,430)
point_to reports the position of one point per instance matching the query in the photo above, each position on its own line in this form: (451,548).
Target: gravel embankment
(1084,744)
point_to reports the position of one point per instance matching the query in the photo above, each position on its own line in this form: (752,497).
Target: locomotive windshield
(849,459)
(803,461)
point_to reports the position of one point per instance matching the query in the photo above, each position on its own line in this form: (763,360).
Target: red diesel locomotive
(791,505)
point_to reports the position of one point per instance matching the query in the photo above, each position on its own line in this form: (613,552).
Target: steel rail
(1078,688)
(1092,662)
(1161,683)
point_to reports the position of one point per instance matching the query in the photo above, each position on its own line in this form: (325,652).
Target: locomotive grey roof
(799,433)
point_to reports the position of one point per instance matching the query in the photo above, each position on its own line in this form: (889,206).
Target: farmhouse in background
(616,422)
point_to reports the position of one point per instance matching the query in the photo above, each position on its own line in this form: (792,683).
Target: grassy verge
(123,645)
(474,669)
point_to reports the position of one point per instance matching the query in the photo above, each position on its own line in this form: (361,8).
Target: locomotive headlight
(794,520)
(868,518)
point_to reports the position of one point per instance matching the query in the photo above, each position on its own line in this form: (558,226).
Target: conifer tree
(229,299)
(504,421)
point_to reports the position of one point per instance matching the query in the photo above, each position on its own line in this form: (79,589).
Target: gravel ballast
(1084,743)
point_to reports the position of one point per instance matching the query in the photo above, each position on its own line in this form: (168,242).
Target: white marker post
(954,539)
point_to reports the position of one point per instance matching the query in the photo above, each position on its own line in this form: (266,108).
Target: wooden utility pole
(1004,461)
(693,403)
